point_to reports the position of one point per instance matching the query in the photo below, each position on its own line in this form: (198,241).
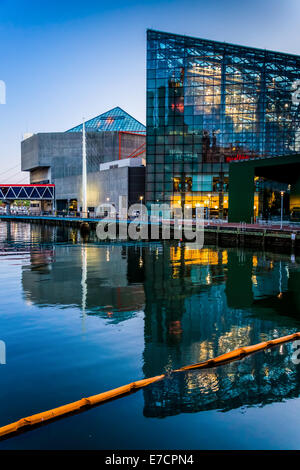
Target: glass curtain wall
(207,104)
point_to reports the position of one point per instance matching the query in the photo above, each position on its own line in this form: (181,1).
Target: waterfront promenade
(271,225)
(263,235)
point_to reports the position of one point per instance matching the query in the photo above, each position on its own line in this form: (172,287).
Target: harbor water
(79,317)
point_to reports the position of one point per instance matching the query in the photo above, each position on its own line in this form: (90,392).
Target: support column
(7,207)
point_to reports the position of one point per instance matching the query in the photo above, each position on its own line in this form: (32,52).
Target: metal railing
(276,222)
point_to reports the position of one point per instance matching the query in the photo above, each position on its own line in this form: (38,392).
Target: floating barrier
(84,403)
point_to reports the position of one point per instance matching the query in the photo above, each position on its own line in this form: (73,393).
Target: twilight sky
(62,60)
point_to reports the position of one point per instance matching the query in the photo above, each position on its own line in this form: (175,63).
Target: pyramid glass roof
(114,120)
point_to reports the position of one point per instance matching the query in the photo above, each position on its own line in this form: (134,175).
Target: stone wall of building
(58,156)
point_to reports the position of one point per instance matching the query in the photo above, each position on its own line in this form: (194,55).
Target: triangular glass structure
(114,120)
(35,194)
(10,194)
(22,194)
(47,194)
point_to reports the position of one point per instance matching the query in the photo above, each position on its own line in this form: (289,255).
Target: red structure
(138,151)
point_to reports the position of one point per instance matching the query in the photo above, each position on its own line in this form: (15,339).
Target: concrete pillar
(7,207)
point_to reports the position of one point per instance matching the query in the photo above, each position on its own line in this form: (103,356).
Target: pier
(263,236)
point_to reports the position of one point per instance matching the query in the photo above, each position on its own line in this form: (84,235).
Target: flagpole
(84,176)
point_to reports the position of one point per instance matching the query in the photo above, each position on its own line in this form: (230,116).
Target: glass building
(209,103)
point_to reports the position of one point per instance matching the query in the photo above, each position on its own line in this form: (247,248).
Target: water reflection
(197,304)
(264,378)
(101,281)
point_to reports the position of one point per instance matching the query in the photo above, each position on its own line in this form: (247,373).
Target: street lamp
(281,219)
(141,199)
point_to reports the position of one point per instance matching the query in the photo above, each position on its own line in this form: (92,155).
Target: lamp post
(281,218)
(141,199)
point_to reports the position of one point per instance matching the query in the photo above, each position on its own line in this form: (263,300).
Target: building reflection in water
(257,380)
(202,303)
(97,280)
(197,304)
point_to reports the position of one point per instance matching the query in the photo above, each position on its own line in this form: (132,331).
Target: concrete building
(121,183)
(111,137)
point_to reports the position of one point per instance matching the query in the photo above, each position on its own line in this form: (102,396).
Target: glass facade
(207,104)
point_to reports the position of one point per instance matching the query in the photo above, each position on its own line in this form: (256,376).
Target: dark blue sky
(62,60)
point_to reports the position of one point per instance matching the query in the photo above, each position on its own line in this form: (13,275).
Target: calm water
(79,317)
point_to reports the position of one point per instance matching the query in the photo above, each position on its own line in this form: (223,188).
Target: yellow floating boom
(93,400)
